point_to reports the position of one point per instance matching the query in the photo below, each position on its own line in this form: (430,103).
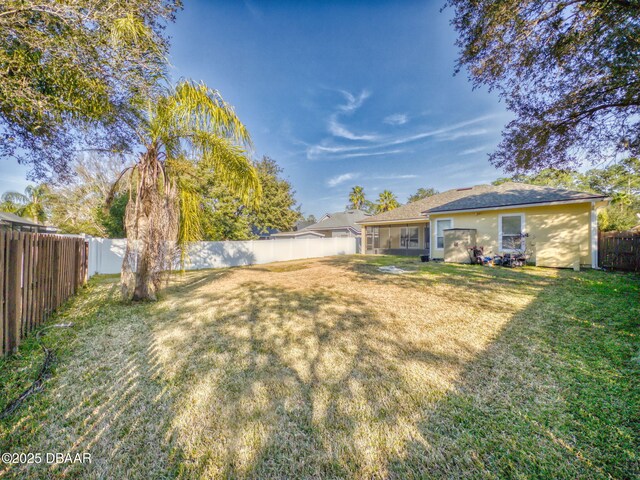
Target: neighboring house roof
(300,224)
(299,233)
(339,221)
(482,197)
(6,217)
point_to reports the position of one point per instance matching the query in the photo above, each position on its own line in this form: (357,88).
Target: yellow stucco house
(556,227)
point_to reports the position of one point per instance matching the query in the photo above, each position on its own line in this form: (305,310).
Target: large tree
(276,209)
(189,132)
(569,70)
(72,74)
(30,204)
(229,217)
(224,216)
(77,203)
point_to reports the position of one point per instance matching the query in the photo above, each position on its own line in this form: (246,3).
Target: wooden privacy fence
(38,272)
(619,250)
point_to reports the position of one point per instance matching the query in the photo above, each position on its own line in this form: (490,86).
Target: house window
(441,226)
(511,229)
(373,238)
(409,237)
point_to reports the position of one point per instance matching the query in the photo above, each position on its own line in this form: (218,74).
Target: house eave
(390,222)
(517,205)
(306,229)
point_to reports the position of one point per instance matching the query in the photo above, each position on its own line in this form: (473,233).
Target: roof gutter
(379,222)
(517,205)
(307,229)
(296,234)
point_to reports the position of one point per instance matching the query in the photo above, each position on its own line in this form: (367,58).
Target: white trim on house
(594,235)
(510,207)
(436,231)
(522,231)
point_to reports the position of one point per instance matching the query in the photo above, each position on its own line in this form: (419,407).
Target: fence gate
(619,251)
(38,272)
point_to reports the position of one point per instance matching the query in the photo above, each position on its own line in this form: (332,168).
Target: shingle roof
(13,218)
(300,224)
(479,197)
(337,220)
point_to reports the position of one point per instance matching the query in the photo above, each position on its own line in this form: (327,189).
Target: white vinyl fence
(105,255)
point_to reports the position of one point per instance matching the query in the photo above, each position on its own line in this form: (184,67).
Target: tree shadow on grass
(282,382)
(286,383)
(238,374)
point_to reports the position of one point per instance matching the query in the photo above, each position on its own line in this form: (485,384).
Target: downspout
(430,238)
(594,236)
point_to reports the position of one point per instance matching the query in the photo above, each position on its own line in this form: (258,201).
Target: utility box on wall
(456,244)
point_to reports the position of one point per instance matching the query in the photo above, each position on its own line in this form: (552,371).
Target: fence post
(77,262)
(14,292)
(55,277)
(85,263)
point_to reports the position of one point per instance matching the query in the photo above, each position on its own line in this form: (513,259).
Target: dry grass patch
(329,368)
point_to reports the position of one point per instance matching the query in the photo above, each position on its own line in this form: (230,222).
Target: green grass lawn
(329,368)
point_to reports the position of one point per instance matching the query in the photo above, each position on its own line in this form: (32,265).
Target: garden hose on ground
(43,373)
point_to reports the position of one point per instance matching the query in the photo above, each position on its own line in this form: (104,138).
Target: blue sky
(340,93)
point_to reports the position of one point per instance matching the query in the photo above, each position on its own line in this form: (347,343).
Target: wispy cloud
(353,101)
(393,177)
(397,119)
(313,151)
(369,154)
(472,151)
(463,134)
(338,179)
(339,130)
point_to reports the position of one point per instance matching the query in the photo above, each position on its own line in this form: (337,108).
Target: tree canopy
(77,204)
(73,75)
(227,217)
(422,193)
(568,69)
(276,209)
(31,204)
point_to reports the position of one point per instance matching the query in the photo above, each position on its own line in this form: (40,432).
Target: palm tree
(188,133)
(386,201)
(30,204)
(356,198)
